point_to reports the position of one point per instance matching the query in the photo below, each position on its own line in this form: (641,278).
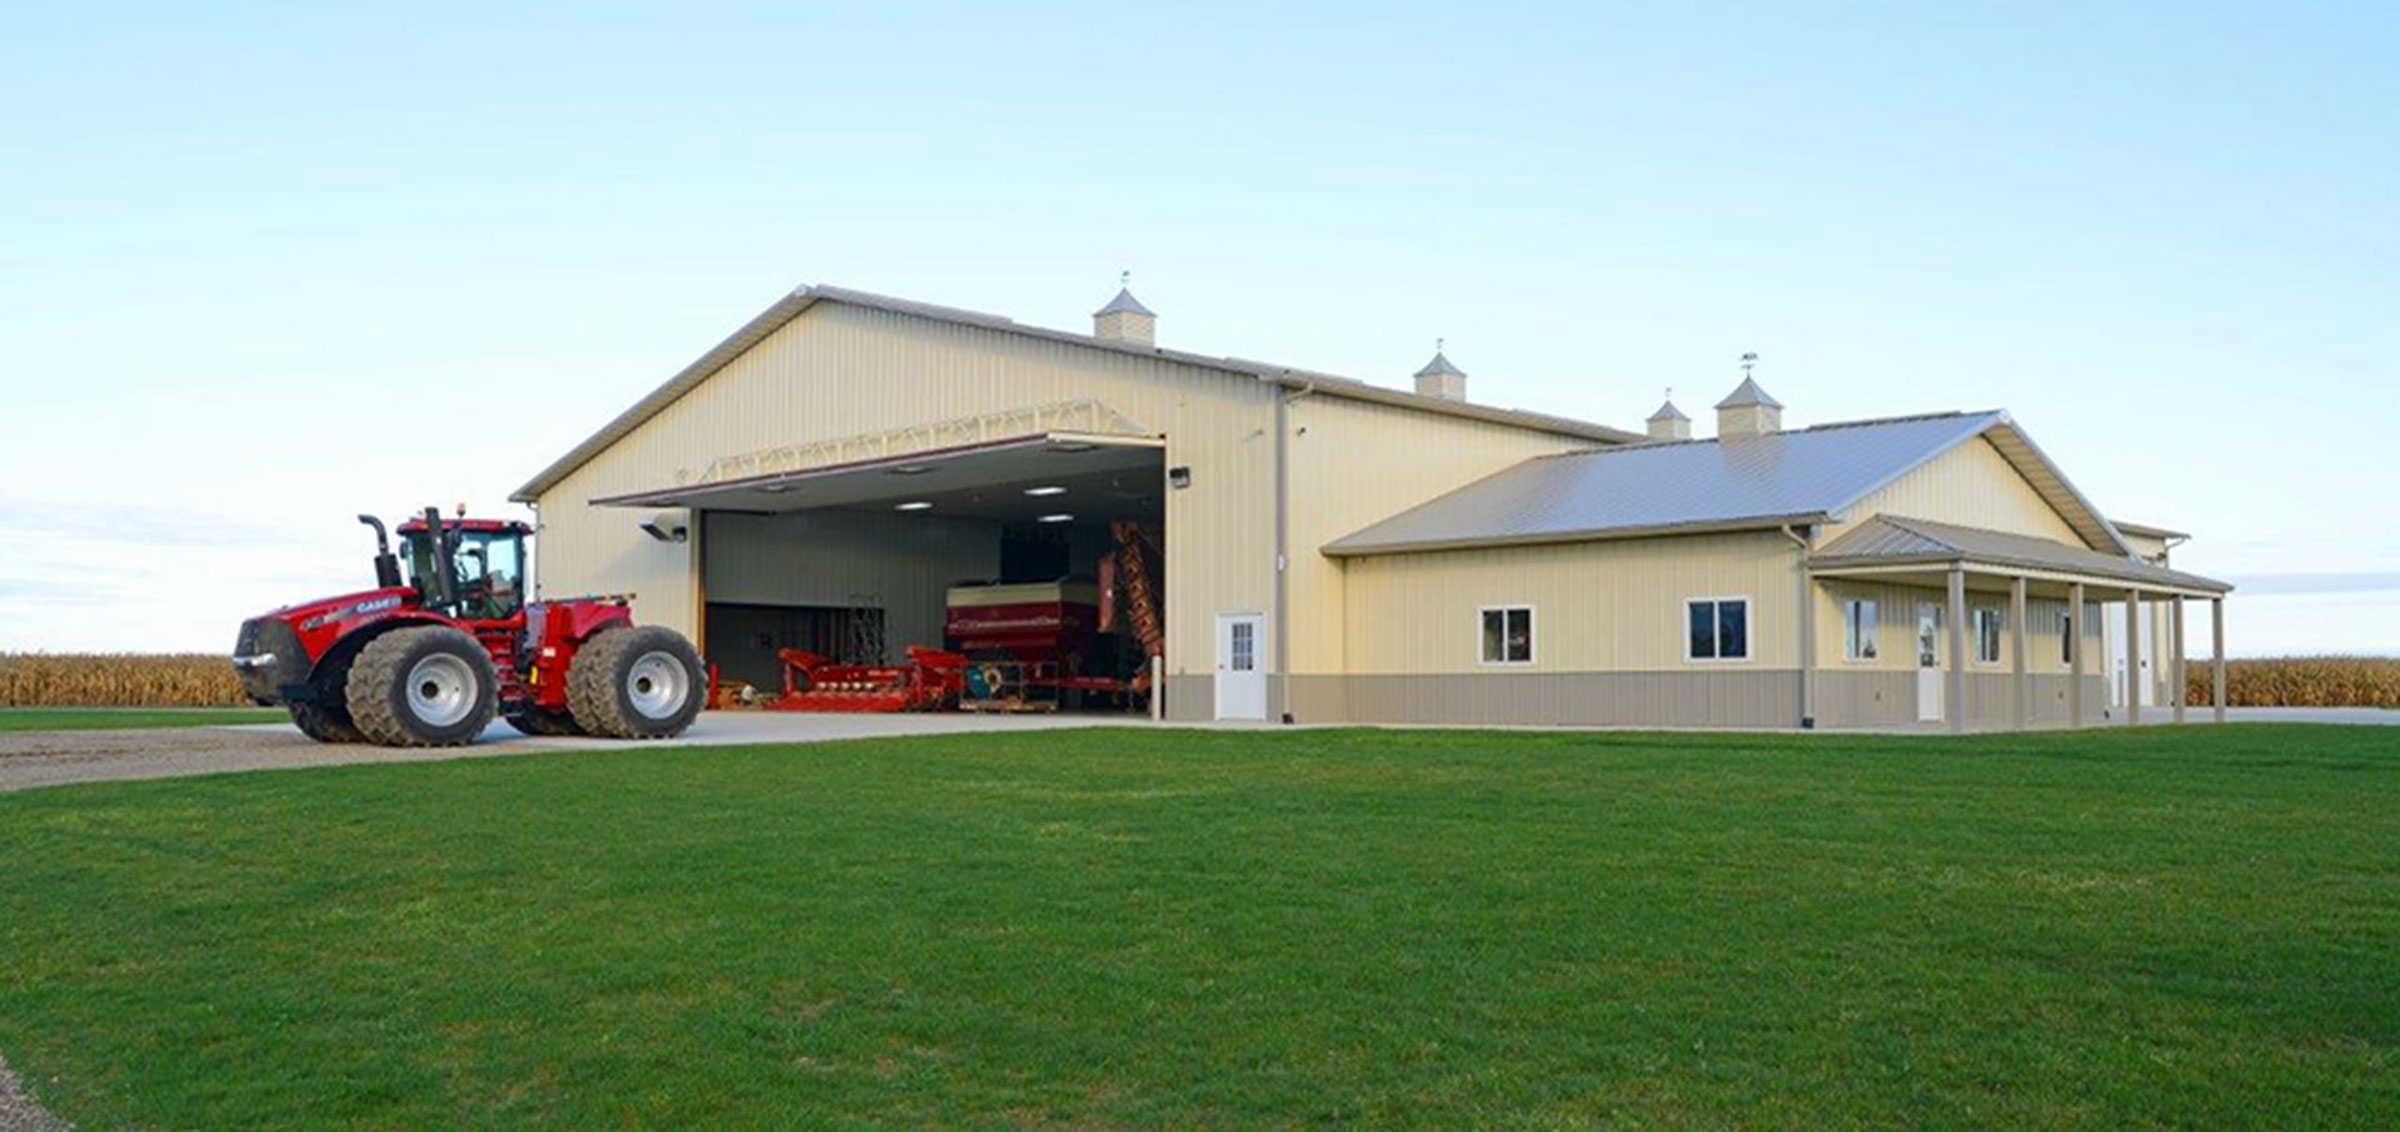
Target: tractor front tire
(540,722)
(324,723)
(636,683)
(429,686)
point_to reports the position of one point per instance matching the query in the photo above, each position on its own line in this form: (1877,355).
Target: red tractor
(427,661)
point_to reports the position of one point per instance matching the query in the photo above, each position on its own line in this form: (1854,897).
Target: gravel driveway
(18,1113)
(29,759)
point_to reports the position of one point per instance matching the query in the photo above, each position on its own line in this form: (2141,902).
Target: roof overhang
(800,300)
(994,473)
(1339,549)
(1932,570)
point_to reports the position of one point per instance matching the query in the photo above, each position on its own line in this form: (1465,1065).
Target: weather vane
(1125,279)
(1748,360)
(1437,344)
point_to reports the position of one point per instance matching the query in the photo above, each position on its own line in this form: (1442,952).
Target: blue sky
(263,267)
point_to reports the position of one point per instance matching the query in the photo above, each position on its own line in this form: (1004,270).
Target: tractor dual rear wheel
(636,683)
(326,718)
(430,686)
(541,721)
(325,723)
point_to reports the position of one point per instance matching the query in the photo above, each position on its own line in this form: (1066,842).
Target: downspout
(1283,537)
(1808,629)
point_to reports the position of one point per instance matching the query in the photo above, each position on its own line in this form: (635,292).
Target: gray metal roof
(1806,475)
(1893,540)
(1440,367)
(1124,303)
(1668,412)
(1748,393)
(796,303)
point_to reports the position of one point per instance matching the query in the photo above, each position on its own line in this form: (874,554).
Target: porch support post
(2076,616)
(2216,627)
(2016,624)
(1957,699)
(2179,684)
(2133,656)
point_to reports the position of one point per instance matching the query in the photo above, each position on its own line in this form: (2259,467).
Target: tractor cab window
(488,571)
(491,573)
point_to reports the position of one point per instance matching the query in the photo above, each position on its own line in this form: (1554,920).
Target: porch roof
(1887,542)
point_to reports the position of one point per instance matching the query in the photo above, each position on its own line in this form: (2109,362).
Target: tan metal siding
(1599,607)
(1353,463)
(840,370)
(1971,485)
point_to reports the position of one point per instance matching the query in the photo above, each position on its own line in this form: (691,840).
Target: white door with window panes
(1241,677)
(1929,662)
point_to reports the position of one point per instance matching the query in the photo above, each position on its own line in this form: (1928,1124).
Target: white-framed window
(1987,636)
(1860,628)
(1506,633)
(1242,646)
(1716,628)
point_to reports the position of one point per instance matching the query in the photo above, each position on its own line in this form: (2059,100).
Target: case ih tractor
(426,661)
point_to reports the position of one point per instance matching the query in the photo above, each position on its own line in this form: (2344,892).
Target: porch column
(2216,626)
(2075,626)
(2177,675)
(1957,699)
(2016,625)
(2133,656)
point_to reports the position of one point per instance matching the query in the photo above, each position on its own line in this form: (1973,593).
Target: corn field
(2302,681)
(103,680)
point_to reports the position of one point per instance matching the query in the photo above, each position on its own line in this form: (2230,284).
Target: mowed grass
(103,719)
(1321,929)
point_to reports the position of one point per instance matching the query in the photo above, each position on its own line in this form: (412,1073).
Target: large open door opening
(1024,575)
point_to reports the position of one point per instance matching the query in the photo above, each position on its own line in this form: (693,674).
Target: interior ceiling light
(915,505)
(1057,519)
(1045,491)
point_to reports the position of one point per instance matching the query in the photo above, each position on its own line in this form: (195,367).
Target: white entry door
(1241,678)
(1929,663)
(2112,631)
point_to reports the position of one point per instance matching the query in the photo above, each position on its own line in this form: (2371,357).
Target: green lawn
(100,719)
(1150,929)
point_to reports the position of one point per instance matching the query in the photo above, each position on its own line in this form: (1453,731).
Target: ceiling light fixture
(774,488)
(910,470)
(1073,446)
(914,505)
(1045,491)
(1057,519)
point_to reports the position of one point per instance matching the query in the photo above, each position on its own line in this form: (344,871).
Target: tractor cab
(472,569)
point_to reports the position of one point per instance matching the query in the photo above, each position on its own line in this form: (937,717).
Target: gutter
(1283,541)
(1808,627)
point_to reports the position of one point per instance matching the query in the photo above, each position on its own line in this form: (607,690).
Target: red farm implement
(930,681)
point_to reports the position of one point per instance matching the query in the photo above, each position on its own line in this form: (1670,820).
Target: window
(1508,635)
(1719,629)
(1859,629)
(2066,638)
(1987,636)
(1244,648)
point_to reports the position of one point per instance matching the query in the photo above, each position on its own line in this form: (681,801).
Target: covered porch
(1974,593)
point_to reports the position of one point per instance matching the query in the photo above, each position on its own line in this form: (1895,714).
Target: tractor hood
(325,611)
